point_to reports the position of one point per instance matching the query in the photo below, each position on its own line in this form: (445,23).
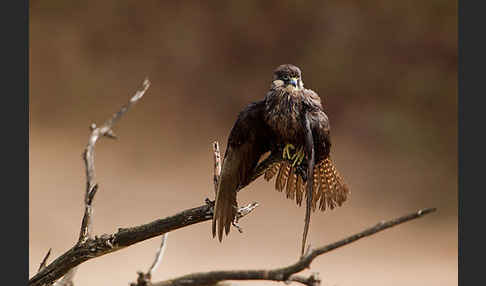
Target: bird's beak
(293,81)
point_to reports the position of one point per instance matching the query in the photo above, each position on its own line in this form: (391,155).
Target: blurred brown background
(386,71)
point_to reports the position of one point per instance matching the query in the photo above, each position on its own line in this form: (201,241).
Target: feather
(272,171)
(291,184)
(329,179)
(332,189)
(247,142)
(322,186)
(299,191)
(282,176)
(315,187)
(342,190)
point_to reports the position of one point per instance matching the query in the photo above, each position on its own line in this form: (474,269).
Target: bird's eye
(286,77)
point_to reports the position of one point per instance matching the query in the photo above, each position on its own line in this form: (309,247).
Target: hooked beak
(293,81)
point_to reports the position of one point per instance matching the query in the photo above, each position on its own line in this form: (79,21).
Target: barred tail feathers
(332,190)
(291,184)
(283,175)
(272,171)
(329,189)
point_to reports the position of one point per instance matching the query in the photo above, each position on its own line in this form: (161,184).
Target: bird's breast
(282,115)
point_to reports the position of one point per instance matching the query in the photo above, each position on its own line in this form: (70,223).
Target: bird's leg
(286,152)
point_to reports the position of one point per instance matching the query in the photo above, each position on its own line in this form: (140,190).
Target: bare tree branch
(85,233)
(108,243)
(88,156)
(284,274)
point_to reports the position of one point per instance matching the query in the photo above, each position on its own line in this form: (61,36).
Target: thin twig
(217,165)
(285,274)
(243,211)
(159,254)
(312,280)
(44,261)
(144,279)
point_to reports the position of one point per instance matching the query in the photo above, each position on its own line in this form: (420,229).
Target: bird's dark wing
(248,140)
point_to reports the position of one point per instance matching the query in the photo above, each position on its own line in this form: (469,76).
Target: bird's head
(288,76)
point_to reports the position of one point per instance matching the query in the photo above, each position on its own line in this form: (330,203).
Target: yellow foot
(286,152)
(298,157)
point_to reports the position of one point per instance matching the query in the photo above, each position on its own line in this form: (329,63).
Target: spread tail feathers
(329,189)
(272,171)
(332,190)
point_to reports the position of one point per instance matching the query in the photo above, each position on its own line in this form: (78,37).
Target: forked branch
(85,234)
(286,274)
(88,156)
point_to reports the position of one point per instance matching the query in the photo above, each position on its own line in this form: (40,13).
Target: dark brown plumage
(270,125)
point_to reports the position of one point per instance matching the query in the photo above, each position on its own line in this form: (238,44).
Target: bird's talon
(295,161)
(302,156)
(286,152)
(298,157)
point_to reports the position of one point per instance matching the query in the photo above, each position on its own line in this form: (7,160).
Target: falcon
(290,127)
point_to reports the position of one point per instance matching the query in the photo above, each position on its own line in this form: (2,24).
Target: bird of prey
(290,125)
